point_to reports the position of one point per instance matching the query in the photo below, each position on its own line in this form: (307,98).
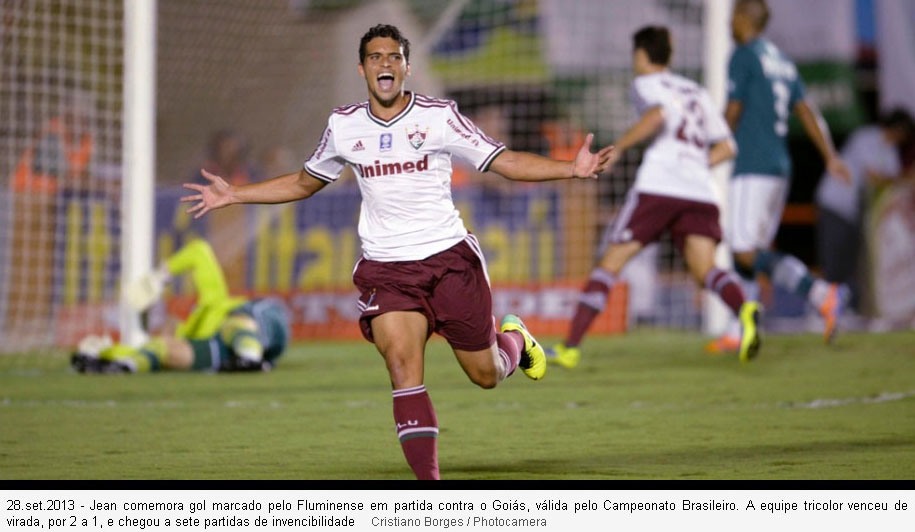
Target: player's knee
(403,364)
(699,276)
(617,255)
(486,379)
(699,272)
(485,375)
(743,263)
(612,263)
(401,373)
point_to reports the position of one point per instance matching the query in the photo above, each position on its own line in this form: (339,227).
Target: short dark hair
(655,40)
(756,10)
(899,118)
(384,30)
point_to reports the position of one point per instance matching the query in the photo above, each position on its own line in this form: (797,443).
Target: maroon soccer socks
(511,345)
(726,286)
(417,429)
(591,303)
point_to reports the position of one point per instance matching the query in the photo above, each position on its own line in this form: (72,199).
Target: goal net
(60,157)
(244,88)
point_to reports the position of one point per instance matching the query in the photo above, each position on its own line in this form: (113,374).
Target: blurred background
(244,87)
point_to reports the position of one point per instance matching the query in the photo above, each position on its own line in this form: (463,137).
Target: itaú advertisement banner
(304,253)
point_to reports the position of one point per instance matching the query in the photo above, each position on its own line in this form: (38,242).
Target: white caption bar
(231,510)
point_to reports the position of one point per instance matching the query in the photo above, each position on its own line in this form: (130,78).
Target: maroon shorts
(645,217)
(450,288)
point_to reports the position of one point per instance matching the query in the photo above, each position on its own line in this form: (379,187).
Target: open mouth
(385,81)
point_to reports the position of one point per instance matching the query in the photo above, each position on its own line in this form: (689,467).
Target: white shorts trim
(474,244)
(614,232)
(755,206)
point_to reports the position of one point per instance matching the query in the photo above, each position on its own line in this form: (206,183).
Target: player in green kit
(763,89)
(222,333)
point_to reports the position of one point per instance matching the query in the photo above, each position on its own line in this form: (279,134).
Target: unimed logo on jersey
(379,169)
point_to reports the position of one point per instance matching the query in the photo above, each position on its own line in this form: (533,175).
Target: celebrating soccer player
(672,191)
(763,88)
(421,271)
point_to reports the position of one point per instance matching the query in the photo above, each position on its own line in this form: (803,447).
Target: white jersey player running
(672,192)
(420,272)
(676,163)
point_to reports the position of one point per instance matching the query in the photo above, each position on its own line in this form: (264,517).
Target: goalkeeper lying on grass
(223,333)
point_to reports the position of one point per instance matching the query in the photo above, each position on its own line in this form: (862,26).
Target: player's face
(895,135)
(385,68)
(739,26)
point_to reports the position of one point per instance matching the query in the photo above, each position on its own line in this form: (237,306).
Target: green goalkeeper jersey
(767,85)
(265,322)
(214,302)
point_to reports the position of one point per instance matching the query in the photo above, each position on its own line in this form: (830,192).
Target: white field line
(6,402)
(884,397)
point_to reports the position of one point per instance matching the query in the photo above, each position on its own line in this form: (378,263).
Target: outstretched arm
(647,126)
(524,166)
(818,132)
(219,193)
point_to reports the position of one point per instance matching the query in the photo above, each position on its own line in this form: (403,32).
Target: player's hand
(837,168)
(588,165)
(213,196)
(145,291)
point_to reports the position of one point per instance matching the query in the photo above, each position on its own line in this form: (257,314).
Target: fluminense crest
(417,136)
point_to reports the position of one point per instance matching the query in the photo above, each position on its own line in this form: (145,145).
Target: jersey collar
(398,116)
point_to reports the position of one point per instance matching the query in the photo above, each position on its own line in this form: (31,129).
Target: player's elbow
(198,247)
(506,164)
(807,114)
(305,192)
(305,185)
(727,149)
(649,125)
(654,118)
(732,114)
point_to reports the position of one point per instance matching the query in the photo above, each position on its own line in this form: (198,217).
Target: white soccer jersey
(676,162)
(403,166)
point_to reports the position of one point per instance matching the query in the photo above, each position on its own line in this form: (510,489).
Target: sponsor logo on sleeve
(464,134)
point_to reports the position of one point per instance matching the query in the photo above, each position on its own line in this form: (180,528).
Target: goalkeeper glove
(143,292)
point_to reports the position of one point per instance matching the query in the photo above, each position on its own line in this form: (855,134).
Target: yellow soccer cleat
(567,357)
(533,359)
(749,331)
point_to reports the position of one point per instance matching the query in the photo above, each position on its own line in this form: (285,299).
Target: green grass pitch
(646,405)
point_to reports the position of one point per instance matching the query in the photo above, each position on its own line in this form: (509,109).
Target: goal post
(717,45)
(137,201)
